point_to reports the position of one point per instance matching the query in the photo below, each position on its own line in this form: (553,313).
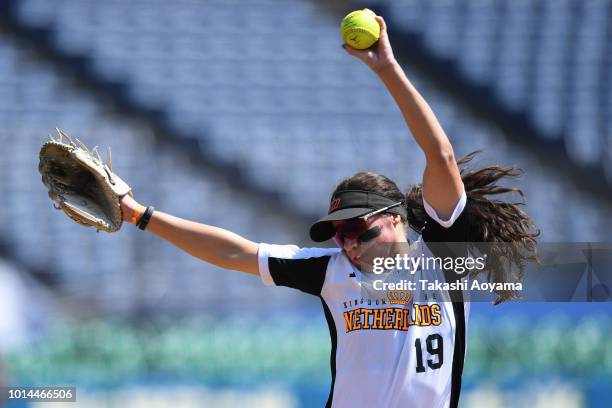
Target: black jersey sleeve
(436,230)
(449,240)
(299,268)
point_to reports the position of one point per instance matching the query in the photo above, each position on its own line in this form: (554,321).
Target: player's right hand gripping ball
(360,29)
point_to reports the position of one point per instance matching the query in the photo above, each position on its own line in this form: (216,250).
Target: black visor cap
(348,204)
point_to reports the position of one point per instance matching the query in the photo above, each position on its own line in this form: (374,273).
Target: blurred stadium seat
(547,59)
(112,269)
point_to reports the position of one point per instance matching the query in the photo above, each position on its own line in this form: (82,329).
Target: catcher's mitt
(81,184)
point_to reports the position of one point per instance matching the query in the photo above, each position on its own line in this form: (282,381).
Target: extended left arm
(442,185)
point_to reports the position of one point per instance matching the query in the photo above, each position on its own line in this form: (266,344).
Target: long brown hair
(491,220)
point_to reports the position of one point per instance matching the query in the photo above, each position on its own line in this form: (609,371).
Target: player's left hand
(129,206)
(380,55)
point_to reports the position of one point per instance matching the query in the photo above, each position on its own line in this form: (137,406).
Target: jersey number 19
(435,348)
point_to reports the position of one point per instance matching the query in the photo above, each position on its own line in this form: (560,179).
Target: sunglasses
(358,229)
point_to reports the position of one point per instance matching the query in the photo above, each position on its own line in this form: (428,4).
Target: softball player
(385,353)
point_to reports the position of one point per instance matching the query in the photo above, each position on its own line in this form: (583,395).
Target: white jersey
(384,354)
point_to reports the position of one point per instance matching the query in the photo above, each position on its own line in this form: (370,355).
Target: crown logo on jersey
(399,297)
(335,203)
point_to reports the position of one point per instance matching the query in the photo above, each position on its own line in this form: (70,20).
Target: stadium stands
(547,59)
(113,270)
(295,115)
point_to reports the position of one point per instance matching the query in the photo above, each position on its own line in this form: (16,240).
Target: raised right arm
(210,244)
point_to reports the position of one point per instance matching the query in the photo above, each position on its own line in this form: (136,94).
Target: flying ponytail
(491,221)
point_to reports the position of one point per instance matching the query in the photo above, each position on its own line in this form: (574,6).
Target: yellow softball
(359,29)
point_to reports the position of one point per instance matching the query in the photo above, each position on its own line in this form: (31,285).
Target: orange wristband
(137,214)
